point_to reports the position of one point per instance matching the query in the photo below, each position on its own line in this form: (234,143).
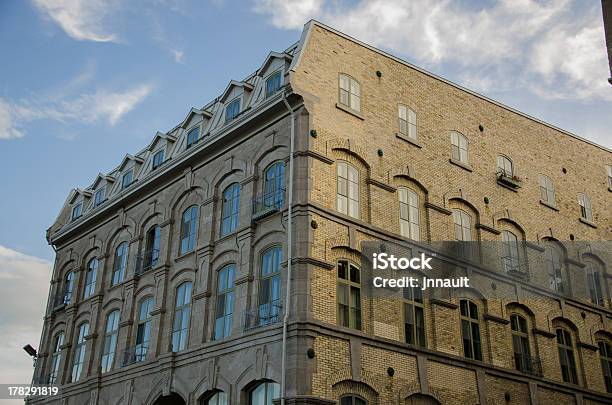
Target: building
(606,6)
(171,271)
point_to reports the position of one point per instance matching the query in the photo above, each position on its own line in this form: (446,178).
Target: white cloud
(83,20)
(24,286)
(554,48)
(179,56)
(8,130)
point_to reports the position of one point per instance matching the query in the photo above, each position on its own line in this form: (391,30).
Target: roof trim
(271,56)
(234,83)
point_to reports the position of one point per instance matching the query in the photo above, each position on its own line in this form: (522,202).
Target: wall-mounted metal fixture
(380,152)
(486,200)
(378,73)
(481,127)
(313,133)
(314,224)
(507,396)
(572,237)
(310,353)
(390,372)
(564,170)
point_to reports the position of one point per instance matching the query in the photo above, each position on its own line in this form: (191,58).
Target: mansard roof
(271,56)
(158,136)
(128,158)
(192,112)
(231,85)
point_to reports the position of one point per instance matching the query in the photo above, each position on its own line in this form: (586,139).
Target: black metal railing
(268,203)
(134,354)
(263,315)
(508,179)
(146,261)
(528,364)
(62,299)
(514,265)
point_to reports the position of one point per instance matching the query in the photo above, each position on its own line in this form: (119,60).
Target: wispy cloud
(20,322)
(554,48)
(83,20)
(179,56)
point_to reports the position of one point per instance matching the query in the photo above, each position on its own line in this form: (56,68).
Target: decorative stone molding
(438,208)
(380,184)
(487,228)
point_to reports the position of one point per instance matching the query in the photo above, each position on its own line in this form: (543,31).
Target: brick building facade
(170,287)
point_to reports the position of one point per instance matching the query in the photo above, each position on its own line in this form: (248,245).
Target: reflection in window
(605,355)
(182,314)
(352,400)
(90,278)
(348,295)
(143,330)
(348,190)
(230,209)
(232,110)
(120,264)
(349,92)
(193,136)
(273,84)
(225,302)
(56,358)
(158,159)
(265,393)
(219,398)
(547,190)
(79,352)
(520,344)
(510,258)
(270,286)
(593,274)
(459,148)
(110,341)
(586,210)
(566,356)
(414,316)
(504,166)
(407,122)
(274,185)
(409,213)
(188,229)
(127,179)
(552,257)
(77,211)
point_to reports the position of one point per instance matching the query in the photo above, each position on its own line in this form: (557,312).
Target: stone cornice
(315,155)
(487,228)
(443,303)
(380,184)
(438,208)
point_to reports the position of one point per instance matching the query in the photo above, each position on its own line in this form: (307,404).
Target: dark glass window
(127,179)
(188,229)
(520,344)
(232,110)
(470,330)
(270,286)
(566,356)
(230,209)
(414,317)
(273,84)
(348,295)
(158,159)
(120,264)
(182,315)
(605,355)
(192,137)
(225,302)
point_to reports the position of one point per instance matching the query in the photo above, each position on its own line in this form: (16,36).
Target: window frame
(77,211)
(109,344)
(353,398)
(511,261)
(458,213)
(90,281)
(457,148)
(547,190)
(68,292)
(565,348)
(523,361)
(189,230)
(593,273)
(156,162)
(219,397)
(475,351)
(130,175)
(120,263)
(97,199)
(269,294)
(56,358)
(180,309)
(586,207)
(502,162)
(605,357)
(226,278)
(413,221)
(412,303)
(189,139)
(144,324)
(410,121)
(269,395)
(80,350)
(230,107)
(352,205)
(271,76)
(354,320)
(554,273)
(350,95)
(152,247)
(230,209)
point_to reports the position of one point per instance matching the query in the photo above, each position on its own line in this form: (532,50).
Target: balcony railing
(514,265)
(264,315)
(268,203)
(146,261)
(508,179)
(62,299)
(134,354)
(528,364)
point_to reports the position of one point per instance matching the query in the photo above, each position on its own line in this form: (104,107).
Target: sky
(86,81)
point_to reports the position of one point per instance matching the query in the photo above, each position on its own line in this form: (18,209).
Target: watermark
(23,391)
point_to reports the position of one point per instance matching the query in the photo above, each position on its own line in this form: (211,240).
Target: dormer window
(100,196)
(192,137)
(158,159)
(127,179)
(77,211)
(273,84)
(232,110)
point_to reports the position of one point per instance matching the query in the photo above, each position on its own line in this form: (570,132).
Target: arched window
(459,148)
(230,209)
(605,355)
(552,256)
(90,278)
(143,330)
(270,287)
(566,356)
(520,344)
(56,358)
(462,226)
(120,264)
(586,210)
(151,255)
(349,92)
(192,137)
(225,302)
(158,159)
(66,297)
(348,295)
(79,352)
(409,213)
(189,224)
(273,84)
(504,166)
(593,275)
(348,190)
(232,110)
(110,341)
(182,315)
(470,330)
(265,393)
(218,398)
(274,185)
(547,190)
(414,317)
(407,122)
(352,400)
(510,258)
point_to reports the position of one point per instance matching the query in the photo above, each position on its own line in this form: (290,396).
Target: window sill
(462,165)
(509,187)
(184,255)
(350,111)
(411,141)
(589,223)
(549,205)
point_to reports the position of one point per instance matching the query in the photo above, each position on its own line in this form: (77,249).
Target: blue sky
(86,81)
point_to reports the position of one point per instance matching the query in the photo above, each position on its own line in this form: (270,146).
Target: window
(566,356)
(348,295)
(182,313)
(414,317)
(274,185)
(120,264)
(79,352)
(350,92)
(348,190)
(127,179)
(265,393)
(520,344)
(504,166)
(90,278)
(143,330)
(459,148)
(56,358)
(409,213)
(230,209)
(270,286)
(188,229)
(552,256)
(593,274)
(225,302)
(110,341)
(470,330)
(158,159)
(609,170)
(547,190)
(100,196)
(586,211)
(352,400)
(462,226)
(273,84)
(193,136)
(407,122)
(510,258)
(218,398)
(605,355)
(77,211)
(232,110)
(151,255)
(68,287)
